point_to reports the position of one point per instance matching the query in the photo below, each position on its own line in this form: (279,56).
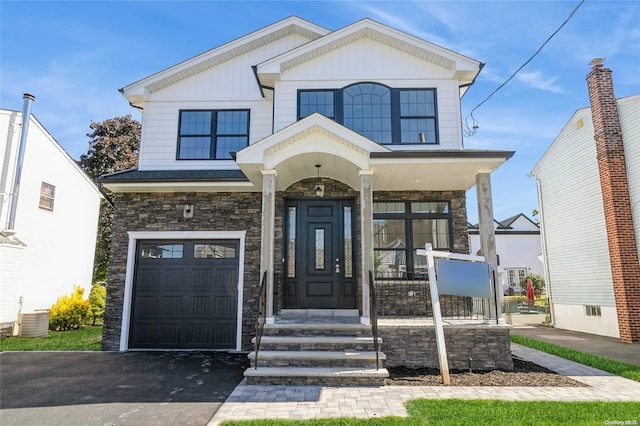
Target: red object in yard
(531,295)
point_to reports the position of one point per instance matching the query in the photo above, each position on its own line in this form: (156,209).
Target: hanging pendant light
(319,189)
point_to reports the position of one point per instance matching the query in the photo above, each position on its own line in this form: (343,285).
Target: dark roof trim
(457,153)
(260,85)
(141,176)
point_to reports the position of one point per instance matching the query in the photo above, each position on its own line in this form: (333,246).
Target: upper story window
(380,113)
(212,134)
(47,196)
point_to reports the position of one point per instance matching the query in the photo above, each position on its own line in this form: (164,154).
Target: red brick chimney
(625,269)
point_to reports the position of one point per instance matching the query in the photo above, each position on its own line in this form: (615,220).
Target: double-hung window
(47,196)
(212,134)
(382,114)
(401,228)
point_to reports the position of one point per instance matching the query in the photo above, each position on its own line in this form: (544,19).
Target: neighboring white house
(51,245)
(518,247)
(589,238)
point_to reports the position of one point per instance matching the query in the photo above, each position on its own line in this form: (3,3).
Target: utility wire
(474,128)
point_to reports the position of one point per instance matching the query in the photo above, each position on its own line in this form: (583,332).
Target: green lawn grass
(88,338)
(452,412)
(618,368)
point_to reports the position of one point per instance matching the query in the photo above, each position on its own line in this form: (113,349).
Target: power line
(472,131)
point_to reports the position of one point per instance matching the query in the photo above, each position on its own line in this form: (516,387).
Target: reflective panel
(319,248)
(367,111)
(291,243)
(160,251)
(430,207)
(389,233)
(434,231)
(348,244)
(320,101)
(388,207)
(390,263)
(214,251)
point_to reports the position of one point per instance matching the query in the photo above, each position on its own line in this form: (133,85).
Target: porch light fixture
(319,188)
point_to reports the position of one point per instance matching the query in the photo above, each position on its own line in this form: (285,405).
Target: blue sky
(75,55)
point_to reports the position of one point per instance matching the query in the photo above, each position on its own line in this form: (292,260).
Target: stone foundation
(414,346)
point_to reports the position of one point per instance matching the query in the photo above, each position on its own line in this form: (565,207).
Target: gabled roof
(506,226)
(136,92)
(463,67)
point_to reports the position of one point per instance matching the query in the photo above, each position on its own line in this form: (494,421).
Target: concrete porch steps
(305,350)
(329,376)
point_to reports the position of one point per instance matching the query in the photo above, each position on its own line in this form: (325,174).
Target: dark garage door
(185,295)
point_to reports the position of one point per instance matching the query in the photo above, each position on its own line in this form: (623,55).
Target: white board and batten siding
(366,60)
(629,110)
(60,244)
(228,85)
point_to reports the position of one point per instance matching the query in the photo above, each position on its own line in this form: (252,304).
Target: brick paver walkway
(307,402)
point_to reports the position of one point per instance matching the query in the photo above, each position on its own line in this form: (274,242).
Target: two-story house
(48,221)
(294,153)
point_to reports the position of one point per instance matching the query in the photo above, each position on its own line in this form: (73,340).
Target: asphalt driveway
(113,388)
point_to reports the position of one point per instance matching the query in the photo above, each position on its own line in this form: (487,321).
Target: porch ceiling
(443,170)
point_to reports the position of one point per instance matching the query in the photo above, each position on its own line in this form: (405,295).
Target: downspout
(26,118)
(545,253)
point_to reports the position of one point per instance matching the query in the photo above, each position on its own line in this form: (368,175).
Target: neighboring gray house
(589,189)
(298,157)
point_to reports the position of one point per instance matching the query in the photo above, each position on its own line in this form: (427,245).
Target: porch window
(382,114)
(212,134)
(401,228)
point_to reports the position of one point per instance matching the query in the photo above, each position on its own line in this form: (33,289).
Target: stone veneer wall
(488,346)
(163,212)
(235,212)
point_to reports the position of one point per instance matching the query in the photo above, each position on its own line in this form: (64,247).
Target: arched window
(367,110)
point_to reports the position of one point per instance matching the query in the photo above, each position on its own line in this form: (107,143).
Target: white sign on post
(458,278)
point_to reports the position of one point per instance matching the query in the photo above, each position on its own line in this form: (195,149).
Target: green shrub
(70,312)
(97,298)
(536,280)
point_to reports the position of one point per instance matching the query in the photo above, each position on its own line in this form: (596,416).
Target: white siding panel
(160,136)
(629,110)
(577,249)
(10,268)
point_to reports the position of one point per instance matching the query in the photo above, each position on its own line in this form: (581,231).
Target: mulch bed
(525,374)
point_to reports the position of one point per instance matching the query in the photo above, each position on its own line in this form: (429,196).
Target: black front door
(319,266)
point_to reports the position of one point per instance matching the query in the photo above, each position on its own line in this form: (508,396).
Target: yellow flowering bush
(70,312)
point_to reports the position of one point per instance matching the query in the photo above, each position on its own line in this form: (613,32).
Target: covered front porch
(320,182)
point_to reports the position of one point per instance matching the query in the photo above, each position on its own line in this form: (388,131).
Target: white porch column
(488,240)
(267,235)
(366,238)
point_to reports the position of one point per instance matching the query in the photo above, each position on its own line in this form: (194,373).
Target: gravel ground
(525,374)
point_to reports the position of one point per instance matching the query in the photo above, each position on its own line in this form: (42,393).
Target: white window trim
(135,236)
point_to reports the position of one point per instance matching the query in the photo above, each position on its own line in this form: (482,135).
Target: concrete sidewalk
(607,347)
(309,402)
